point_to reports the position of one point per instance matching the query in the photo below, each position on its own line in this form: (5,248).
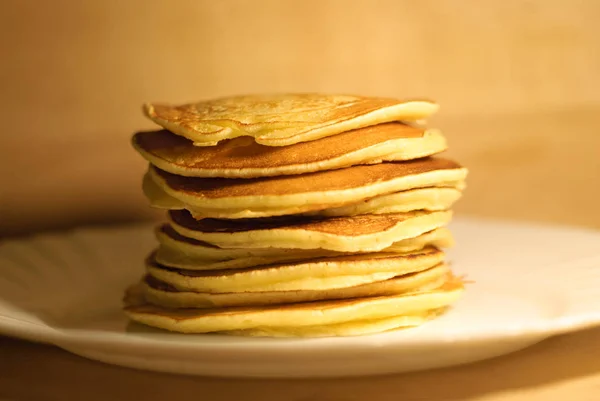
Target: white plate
(530,282)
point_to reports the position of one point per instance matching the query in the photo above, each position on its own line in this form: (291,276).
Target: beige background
(518,82)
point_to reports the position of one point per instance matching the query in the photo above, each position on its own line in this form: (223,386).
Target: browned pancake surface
(346,225)
(346,178)
(160,285)
(430,251)
(245,153)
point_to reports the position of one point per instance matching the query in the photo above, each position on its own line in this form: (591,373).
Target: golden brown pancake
(244,158)
(298,319)
(208,197)
(336,180)
(427,198)
(282,119)
(186,253)
(361,233)
(318,273)
(160,293)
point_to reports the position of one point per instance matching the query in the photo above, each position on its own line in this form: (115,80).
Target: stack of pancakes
(296,215)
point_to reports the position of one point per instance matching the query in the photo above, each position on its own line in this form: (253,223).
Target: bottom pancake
(299,319)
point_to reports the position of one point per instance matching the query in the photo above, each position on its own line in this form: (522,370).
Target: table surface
(561,368)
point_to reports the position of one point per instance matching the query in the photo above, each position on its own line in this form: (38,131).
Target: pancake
(185,253)
(316,274)
(430,198)
(162,294)
(216,197)
(362,233)
(244,158)
(291,319)
(282,119)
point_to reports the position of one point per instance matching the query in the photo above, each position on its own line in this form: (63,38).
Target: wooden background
(518,81)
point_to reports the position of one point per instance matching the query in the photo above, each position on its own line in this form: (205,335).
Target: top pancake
(244,158)
(282,119)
